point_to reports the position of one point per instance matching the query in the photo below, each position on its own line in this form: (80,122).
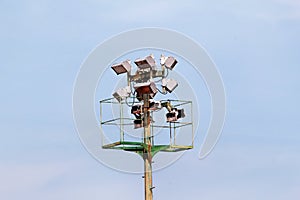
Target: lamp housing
(175,114)
(145,63)
(145,88)
(138,123)
(122,67)
(169,84)
(170,62)
(122,93)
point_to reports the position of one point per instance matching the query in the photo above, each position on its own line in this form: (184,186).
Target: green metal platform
(140,147)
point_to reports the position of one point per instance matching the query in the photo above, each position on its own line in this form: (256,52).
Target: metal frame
(139,147)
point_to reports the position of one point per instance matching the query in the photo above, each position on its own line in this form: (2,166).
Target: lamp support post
(147,156)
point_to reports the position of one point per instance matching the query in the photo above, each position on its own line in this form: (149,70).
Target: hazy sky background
(256,47)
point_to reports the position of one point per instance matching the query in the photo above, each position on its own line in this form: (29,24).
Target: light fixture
(181,113)
(122,93)
(122,67)
(136,109)
(175,114)
(169,84)
(154,105)
(170,62)
(144,63)
(171,117)
(138,123)
(145,88)
(140,96)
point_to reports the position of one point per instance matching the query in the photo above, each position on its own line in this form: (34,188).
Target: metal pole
(121,123)
(147,151)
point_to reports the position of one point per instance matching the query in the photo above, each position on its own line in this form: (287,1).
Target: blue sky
(255,45)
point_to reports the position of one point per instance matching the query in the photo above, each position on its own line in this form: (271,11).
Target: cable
(132,101)
(158,80)
(161,91)
(163,77)
(167,73)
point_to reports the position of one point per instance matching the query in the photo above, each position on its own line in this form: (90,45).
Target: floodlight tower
(141,86)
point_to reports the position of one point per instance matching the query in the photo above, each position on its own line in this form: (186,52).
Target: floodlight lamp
(140,96)
(175,114)
(138,123)
(171,117)
(169,84)
(155,105)
(136,109)
(145,88)
(170,62)
(122,93)
(145,63)
(122,67)
(180,114)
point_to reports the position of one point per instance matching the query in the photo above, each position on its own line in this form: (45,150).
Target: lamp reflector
(169,84)
(154,105)
(140,96)
(180,113)
(122,93)
(122,67)
(144,63)
(136,109)
(170,62)
(138,123)
(171,117)
(145,88)
(175,114)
